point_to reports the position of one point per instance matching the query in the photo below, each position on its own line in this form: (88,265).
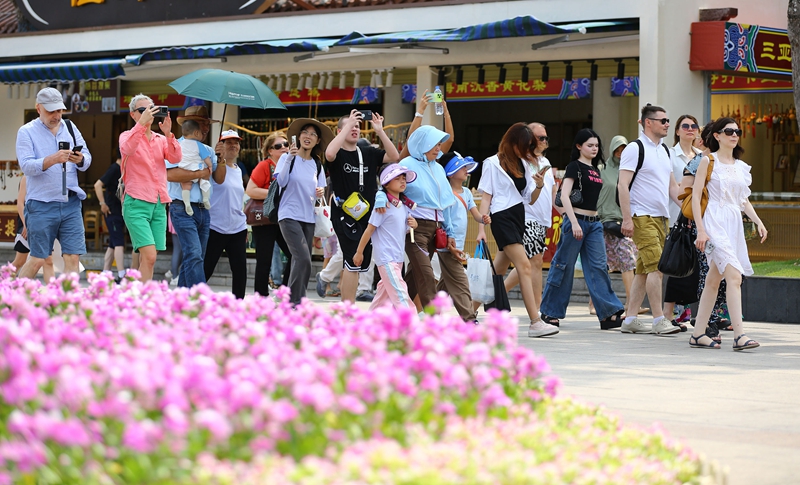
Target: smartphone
(294,140)
(709,248)
(163,112)
(63,145)
(366,115)
(544,169)
(77,148)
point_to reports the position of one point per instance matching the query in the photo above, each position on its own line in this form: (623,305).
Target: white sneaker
(541,329)
(637,326)
(168,275)
(665,327)
(173,281)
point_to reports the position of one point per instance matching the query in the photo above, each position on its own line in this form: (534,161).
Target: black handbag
(500,295)
(679,257)
(576,197)
(614,228)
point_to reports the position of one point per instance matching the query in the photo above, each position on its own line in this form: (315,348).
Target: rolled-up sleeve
(26,155)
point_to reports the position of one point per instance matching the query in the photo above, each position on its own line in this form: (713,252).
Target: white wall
(13,116)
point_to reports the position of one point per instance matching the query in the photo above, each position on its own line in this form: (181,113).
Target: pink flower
(215,422)
(352,404)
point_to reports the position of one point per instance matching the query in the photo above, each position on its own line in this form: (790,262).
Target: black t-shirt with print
(344,172)
(591,184)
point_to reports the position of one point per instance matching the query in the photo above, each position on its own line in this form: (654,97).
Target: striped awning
(517,27)
(31,72)
(238,49)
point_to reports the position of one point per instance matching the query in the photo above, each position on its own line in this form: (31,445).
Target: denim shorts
(47,221)
(146,222)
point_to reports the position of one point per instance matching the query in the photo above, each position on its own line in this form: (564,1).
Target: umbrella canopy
(227,87)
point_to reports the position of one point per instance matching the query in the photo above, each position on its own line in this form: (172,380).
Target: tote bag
(679,256)
(479,274)
(323,228)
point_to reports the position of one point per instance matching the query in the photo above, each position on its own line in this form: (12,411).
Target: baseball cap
(228,134)
(50,99)
(458,162)
(395,170)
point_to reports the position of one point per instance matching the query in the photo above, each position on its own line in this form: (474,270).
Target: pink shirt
(144,172)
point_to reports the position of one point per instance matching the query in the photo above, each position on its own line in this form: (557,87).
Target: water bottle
(437,101)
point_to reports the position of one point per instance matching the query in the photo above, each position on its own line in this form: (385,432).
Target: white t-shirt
(541,211)
(497,183)
(389,238)
(650,190)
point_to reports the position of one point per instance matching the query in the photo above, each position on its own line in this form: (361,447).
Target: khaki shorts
(649,234)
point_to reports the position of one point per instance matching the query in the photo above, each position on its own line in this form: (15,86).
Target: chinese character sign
(510,90)
(752,48)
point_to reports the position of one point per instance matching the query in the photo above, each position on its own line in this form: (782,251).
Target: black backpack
(639,164)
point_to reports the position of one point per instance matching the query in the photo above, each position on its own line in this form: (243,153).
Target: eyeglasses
(687,126)
(312,134)
(278,146)
(663,121)
(544,139)
(731,132)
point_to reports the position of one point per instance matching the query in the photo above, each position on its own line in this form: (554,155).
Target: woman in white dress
(720,232)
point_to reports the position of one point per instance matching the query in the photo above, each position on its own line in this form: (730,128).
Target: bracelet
(417,114)
(539,186)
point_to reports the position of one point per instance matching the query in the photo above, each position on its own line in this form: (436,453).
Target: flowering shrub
(139,384)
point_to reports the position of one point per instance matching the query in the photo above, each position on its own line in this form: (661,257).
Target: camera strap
(360,170)
(68,124)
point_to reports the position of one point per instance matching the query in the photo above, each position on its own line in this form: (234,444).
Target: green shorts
(146,222)
(649,234)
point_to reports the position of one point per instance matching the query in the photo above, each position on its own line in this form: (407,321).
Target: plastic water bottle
(438,97)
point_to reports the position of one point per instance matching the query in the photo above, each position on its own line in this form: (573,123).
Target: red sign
(174,101)
(8,226)
(731,84)
(725,46)
(518,90)
(314,96)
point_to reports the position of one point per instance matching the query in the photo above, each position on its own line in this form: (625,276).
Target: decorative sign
(8,226)
(100,98)
(730,84)
(745,48)
(314,96)
(552,236)
(175,102)
(510,90)
(71,14)
(627,86)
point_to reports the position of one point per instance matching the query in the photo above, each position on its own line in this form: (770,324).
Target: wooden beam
(718,14)
(264,6)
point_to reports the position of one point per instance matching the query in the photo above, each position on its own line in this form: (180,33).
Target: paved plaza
(739,408)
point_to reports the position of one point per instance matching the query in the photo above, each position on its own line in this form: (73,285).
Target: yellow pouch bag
(356,206)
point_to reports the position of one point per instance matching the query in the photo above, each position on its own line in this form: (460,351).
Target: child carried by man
(196,156)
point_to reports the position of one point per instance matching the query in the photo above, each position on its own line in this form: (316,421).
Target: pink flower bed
(131,379)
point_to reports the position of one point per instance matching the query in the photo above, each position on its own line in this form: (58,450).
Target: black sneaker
(365,296)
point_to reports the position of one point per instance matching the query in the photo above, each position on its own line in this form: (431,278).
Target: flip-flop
(749,344)
(697,345)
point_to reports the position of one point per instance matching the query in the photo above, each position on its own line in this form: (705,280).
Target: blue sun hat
(458,162)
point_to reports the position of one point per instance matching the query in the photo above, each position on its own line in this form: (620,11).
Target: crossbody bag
(356,206)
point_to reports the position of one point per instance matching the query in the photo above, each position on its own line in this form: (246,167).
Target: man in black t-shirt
(350,174)
(111,207)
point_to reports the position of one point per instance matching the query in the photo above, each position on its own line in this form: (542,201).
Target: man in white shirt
(644,196)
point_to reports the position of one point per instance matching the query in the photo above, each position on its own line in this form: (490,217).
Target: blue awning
(238,49)
(517,27)
(32,72)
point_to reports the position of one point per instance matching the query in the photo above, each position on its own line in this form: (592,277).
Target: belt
(70,193)
(198,205)
(588,218)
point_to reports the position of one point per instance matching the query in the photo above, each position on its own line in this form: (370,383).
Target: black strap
(489,256)
(640,162)
(71,131)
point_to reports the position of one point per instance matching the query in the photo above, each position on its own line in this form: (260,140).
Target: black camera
(366,115)
(163,112)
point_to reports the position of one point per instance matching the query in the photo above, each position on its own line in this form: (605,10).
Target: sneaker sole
(635,331)
(669,332)
(545,333)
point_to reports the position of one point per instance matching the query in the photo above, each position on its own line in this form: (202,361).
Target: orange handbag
(686,196)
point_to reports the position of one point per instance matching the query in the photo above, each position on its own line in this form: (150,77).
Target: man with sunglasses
(145,177)
(645,186)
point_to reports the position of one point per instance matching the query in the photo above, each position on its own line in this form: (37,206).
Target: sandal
(749,344)
(614,321)
(675,323)
(550,320)
(697,345)
(333,293)
(725,324)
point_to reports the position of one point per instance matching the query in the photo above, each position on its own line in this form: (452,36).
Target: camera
(366,115)
(163,112)
(63,145)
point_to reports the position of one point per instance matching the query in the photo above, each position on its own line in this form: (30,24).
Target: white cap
(50,99)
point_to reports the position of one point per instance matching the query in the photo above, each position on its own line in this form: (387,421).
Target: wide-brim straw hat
(325,133)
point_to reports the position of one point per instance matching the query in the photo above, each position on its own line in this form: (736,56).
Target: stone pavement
(739,408)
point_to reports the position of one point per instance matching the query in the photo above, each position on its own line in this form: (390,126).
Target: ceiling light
(321,82)
(279,88)
(440,77)
(481,75)
(356,80)
(288,82)
(329,84)
(459,75)
(501,78)
(568,72)
(525,72)
(620,69)
(545,72)
(389,78)
(342,80)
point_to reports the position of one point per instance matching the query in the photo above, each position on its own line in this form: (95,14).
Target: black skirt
(508,226)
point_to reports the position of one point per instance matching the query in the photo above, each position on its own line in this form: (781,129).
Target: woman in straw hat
(301,178)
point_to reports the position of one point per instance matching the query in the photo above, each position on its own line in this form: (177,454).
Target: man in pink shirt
(145,177)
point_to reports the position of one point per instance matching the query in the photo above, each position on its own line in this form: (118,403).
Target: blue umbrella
(227,87)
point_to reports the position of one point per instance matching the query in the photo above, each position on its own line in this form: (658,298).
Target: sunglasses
(278,146)
(142,109)
(731,132)
(663,121)
(687,126)
(543,138)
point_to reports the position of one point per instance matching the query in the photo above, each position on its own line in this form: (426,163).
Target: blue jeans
(192,232)
(277,266)
(592,249)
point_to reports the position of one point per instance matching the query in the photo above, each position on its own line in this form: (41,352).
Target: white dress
(728,191)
